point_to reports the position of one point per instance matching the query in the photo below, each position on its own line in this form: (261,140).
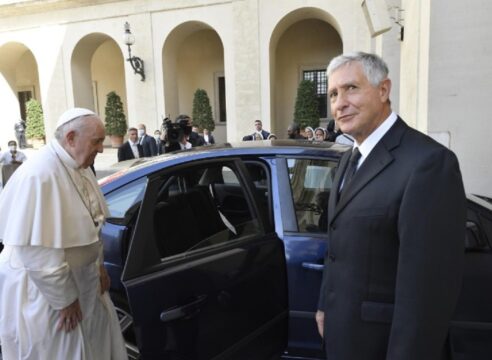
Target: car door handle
(312,266)
(186,311)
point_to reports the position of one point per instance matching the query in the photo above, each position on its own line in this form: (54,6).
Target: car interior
(471,331)
(216,209)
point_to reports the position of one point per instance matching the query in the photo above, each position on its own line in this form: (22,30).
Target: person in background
(345,139)
(294,132)
(12,156)
(199,140)
(159,142)
(53,285)
(319,134)
(192,137)
(309,133)
(396,228)
(131,149)
(331,133)
(148,143)
(20,133)
(259,133)
(208,137)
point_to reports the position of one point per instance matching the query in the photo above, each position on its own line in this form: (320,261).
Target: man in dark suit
(259,130)
(148,143)
(208,137)
(131,149)
(396,228)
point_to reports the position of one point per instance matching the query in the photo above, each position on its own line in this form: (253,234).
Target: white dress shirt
(134,147)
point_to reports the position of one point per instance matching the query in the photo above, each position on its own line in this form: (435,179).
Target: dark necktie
(351,167)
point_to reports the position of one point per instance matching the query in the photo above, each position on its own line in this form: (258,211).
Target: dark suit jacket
(211,139)
(264,133)
(195,139)
(149,146)
(125,151)
(396,250)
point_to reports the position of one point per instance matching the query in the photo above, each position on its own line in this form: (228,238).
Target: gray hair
(373,66)
(74,124)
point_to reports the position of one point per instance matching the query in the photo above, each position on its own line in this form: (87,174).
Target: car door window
(200,207)
(311,181)
(123,201)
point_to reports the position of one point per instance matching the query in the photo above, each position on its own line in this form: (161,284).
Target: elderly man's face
(85,144)
(357,106)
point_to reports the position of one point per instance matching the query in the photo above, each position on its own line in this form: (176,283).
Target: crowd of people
(172,136)
(330,133)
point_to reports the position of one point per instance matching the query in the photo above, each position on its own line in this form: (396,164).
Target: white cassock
(52,213)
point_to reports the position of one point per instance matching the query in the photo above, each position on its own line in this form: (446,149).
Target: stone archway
(193,58)
(301,46)
(97,66)
(19,82)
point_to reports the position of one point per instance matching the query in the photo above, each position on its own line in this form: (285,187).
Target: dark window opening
(222,99)
(321,82)
(24,97)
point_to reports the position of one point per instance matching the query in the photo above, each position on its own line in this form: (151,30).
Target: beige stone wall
(305,45)
(460,79)
(415,64)
(107,70)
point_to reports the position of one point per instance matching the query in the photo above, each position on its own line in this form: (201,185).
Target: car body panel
(471,333)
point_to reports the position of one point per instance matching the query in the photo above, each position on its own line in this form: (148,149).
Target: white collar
(64,155)
(371,141)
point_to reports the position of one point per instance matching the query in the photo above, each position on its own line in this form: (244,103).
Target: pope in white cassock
(54,302)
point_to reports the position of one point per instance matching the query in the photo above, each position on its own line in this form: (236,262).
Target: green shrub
(115,119)
(306,110)
(34,120)
(202,111)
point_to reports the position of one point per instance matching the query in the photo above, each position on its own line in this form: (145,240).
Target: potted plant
(115,119)
(306,111)
(202,111)
(35,123)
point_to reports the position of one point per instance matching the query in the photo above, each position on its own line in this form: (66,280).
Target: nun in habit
(54,302)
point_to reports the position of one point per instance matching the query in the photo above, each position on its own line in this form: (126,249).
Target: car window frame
(144,223)
(286,201)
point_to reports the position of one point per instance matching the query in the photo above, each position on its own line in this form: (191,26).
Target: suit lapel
(379,158)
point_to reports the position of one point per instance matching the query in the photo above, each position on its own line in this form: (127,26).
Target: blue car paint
(304,251)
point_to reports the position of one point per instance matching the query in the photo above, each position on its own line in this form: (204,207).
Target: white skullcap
(72,114)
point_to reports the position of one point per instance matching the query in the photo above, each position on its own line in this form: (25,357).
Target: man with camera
(176,134)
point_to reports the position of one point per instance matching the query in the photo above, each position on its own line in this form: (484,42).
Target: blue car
(218,252)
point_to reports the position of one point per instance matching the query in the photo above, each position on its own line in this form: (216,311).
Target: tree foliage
(34,120)
(202,111)
(115,119)
(306,111)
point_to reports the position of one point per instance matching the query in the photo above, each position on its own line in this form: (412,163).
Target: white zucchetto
(72,114)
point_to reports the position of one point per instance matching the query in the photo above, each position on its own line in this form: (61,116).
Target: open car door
(205,275)
(471,328)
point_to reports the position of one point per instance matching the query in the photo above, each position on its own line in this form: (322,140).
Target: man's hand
(70,316)
(104,279)
(320,321)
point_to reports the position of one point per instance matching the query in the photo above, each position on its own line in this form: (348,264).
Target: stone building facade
(249,55)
